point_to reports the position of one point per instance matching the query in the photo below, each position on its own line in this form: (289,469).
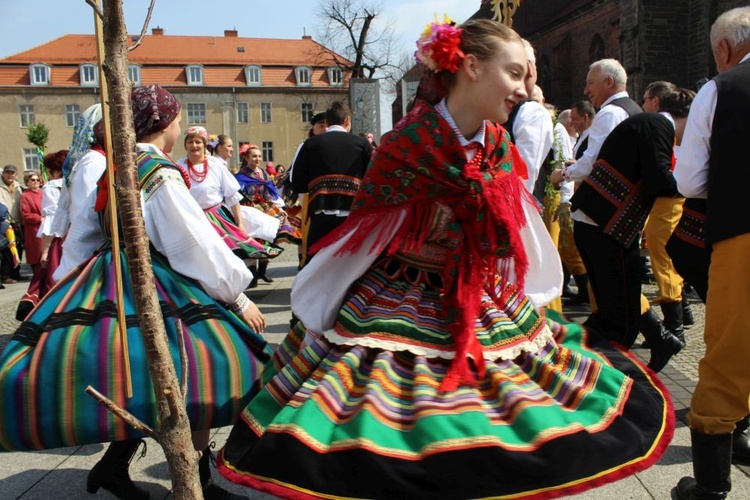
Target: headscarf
(83,135)
(199,131)
(153,110)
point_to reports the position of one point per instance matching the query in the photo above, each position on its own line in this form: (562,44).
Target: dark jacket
(632,169)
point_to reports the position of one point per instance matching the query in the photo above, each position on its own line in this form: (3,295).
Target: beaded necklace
(194,174)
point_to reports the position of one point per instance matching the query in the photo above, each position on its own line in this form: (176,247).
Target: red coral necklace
(194,174)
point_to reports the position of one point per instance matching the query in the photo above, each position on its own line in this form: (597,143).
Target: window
(194,75)
(243,112)
(307,112)
(335,76)
(196,113)
(252,75)
(267,151)
(596,49)
(26,111)
(265,112)
(72,112)
(134,73)
(303,76)
(89,75)
(30,159)
(39,74)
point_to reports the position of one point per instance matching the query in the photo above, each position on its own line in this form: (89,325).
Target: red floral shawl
(422,162)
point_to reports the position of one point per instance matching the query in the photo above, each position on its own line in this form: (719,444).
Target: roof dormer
(39,74)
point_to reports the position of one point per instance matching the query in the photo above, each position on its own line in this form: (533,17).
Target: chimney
(307,37)
(231,33)
(157,31)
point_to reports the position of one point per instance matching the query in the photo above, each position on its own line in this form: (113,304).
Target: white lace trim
(530,346)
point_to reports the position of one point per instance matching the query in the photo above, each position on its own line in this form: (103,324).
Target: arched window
(39,74)
(89,75)
(335,76)
(596,49)
(303,76)
(194,74)
(253,76)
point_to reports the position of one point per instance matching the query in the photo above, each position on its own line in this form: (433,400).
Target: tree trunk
(174,427)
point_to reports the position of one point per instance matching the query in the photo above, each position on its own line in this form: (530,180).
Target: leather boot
(672,312)
(253,269)
(211,490)
(111,472)
(687,313)
(567,292)
(711,466)
(663,344)
(582,281)
(741,442)
(262,268)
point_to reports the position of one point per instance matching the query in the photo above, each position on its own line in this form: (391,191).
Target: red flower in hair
(438,47)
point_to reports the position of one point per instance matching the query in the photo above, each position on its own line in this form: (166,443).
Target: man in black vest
(633,168)
(329,168)
(713,164)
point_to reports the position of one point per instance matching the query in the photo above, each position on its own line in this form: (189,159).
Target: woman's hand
(254,318)
(44,258)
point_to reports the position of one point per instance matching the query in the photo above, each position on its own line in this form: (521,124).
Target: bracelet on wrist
(241,304)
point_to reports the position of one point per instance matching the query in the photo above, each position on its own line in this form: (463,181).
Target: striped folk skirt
(71,340)
(241,243)
(356,413)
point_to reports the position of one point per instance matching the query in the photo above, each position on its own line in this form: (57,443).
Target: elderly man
(711,165)
(10,196)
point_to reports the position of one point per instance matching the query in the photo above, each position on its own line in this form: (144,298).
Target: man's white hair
(611,68)
(529,51)
(564,116)
(732,26)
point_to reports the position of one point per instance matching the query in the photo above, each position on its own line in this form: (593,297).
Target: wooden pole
(112,202)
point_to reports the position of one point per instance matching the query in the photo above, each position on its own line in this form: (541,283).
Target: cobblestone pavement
(61,473)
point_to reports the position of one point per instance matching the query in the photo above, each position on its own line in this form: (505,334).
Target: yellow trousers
(549,216)
(568,251)
(661,223)
(722,395)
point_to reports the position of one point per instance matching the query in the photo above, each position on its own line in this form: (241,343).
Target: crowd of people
(428,355)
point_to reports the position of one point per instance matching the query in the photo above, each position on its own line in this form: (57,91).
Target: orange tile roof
(163,58)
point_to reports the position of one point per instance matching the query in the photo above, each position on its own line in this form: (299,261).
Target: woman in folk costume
(50,247)
(218,194)
(72,340)
(423,369)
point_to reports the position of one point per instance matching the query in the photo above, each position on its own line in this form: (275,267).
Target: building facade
(259,91)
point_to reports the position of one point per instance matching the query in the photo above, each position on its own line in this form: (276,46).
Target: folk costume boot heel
(672,312)
(211,490)
(111,472)
(663,344)
(262,268)
(582,282)
(741,442)
(712,462)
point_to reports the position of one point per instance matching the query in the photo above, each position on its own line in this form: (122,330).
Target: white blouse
(50,200)
(218,187)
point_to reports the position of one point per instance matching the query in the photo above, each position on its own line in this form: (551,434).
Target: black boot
(567,292)
(262,268)
(663,344)
(672,312)
(711,466)
(582,281)
(253,269)
(687,313)
(211,490)
(741,442)
(111,472)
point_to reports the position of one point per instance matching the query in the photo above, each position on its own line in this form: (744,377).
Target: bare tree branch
(97,8)
(128,417)
(145,26)
(183,359)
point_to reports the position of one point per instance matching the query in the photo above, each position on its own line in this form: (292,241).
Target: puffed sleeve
(230,188)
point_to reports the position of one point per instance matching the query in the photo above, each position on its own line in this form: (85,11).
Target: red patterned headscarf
(153,109)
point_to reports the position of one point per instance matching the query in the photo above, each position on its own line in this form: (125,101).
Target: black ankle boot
(211,490)
(253,269)
(582,281)
(711,467)
(741,442)
(111,472)
(663,344)
(687,313)
(262,268)
(672,312)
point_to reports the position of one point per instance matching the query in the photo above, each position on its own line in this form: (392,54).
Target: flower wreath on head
(438,47)
(213,141)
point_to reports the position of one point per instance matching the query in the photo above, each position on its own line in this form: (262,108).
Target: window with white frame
(72,112)
(303,75)
(253,75)
(194,74)
(243,112)
(26,113)
(39,74)
(89,75)
(196,113)
(335,76)
(267,149)
(308,111)
(265,112)
(134,74)
(30,159)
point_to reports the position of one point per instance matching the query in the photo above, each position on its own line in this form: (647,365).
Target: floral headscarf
(153,109)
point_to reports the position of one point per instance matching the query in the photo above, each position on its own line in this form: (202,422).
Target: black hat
(320,117)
